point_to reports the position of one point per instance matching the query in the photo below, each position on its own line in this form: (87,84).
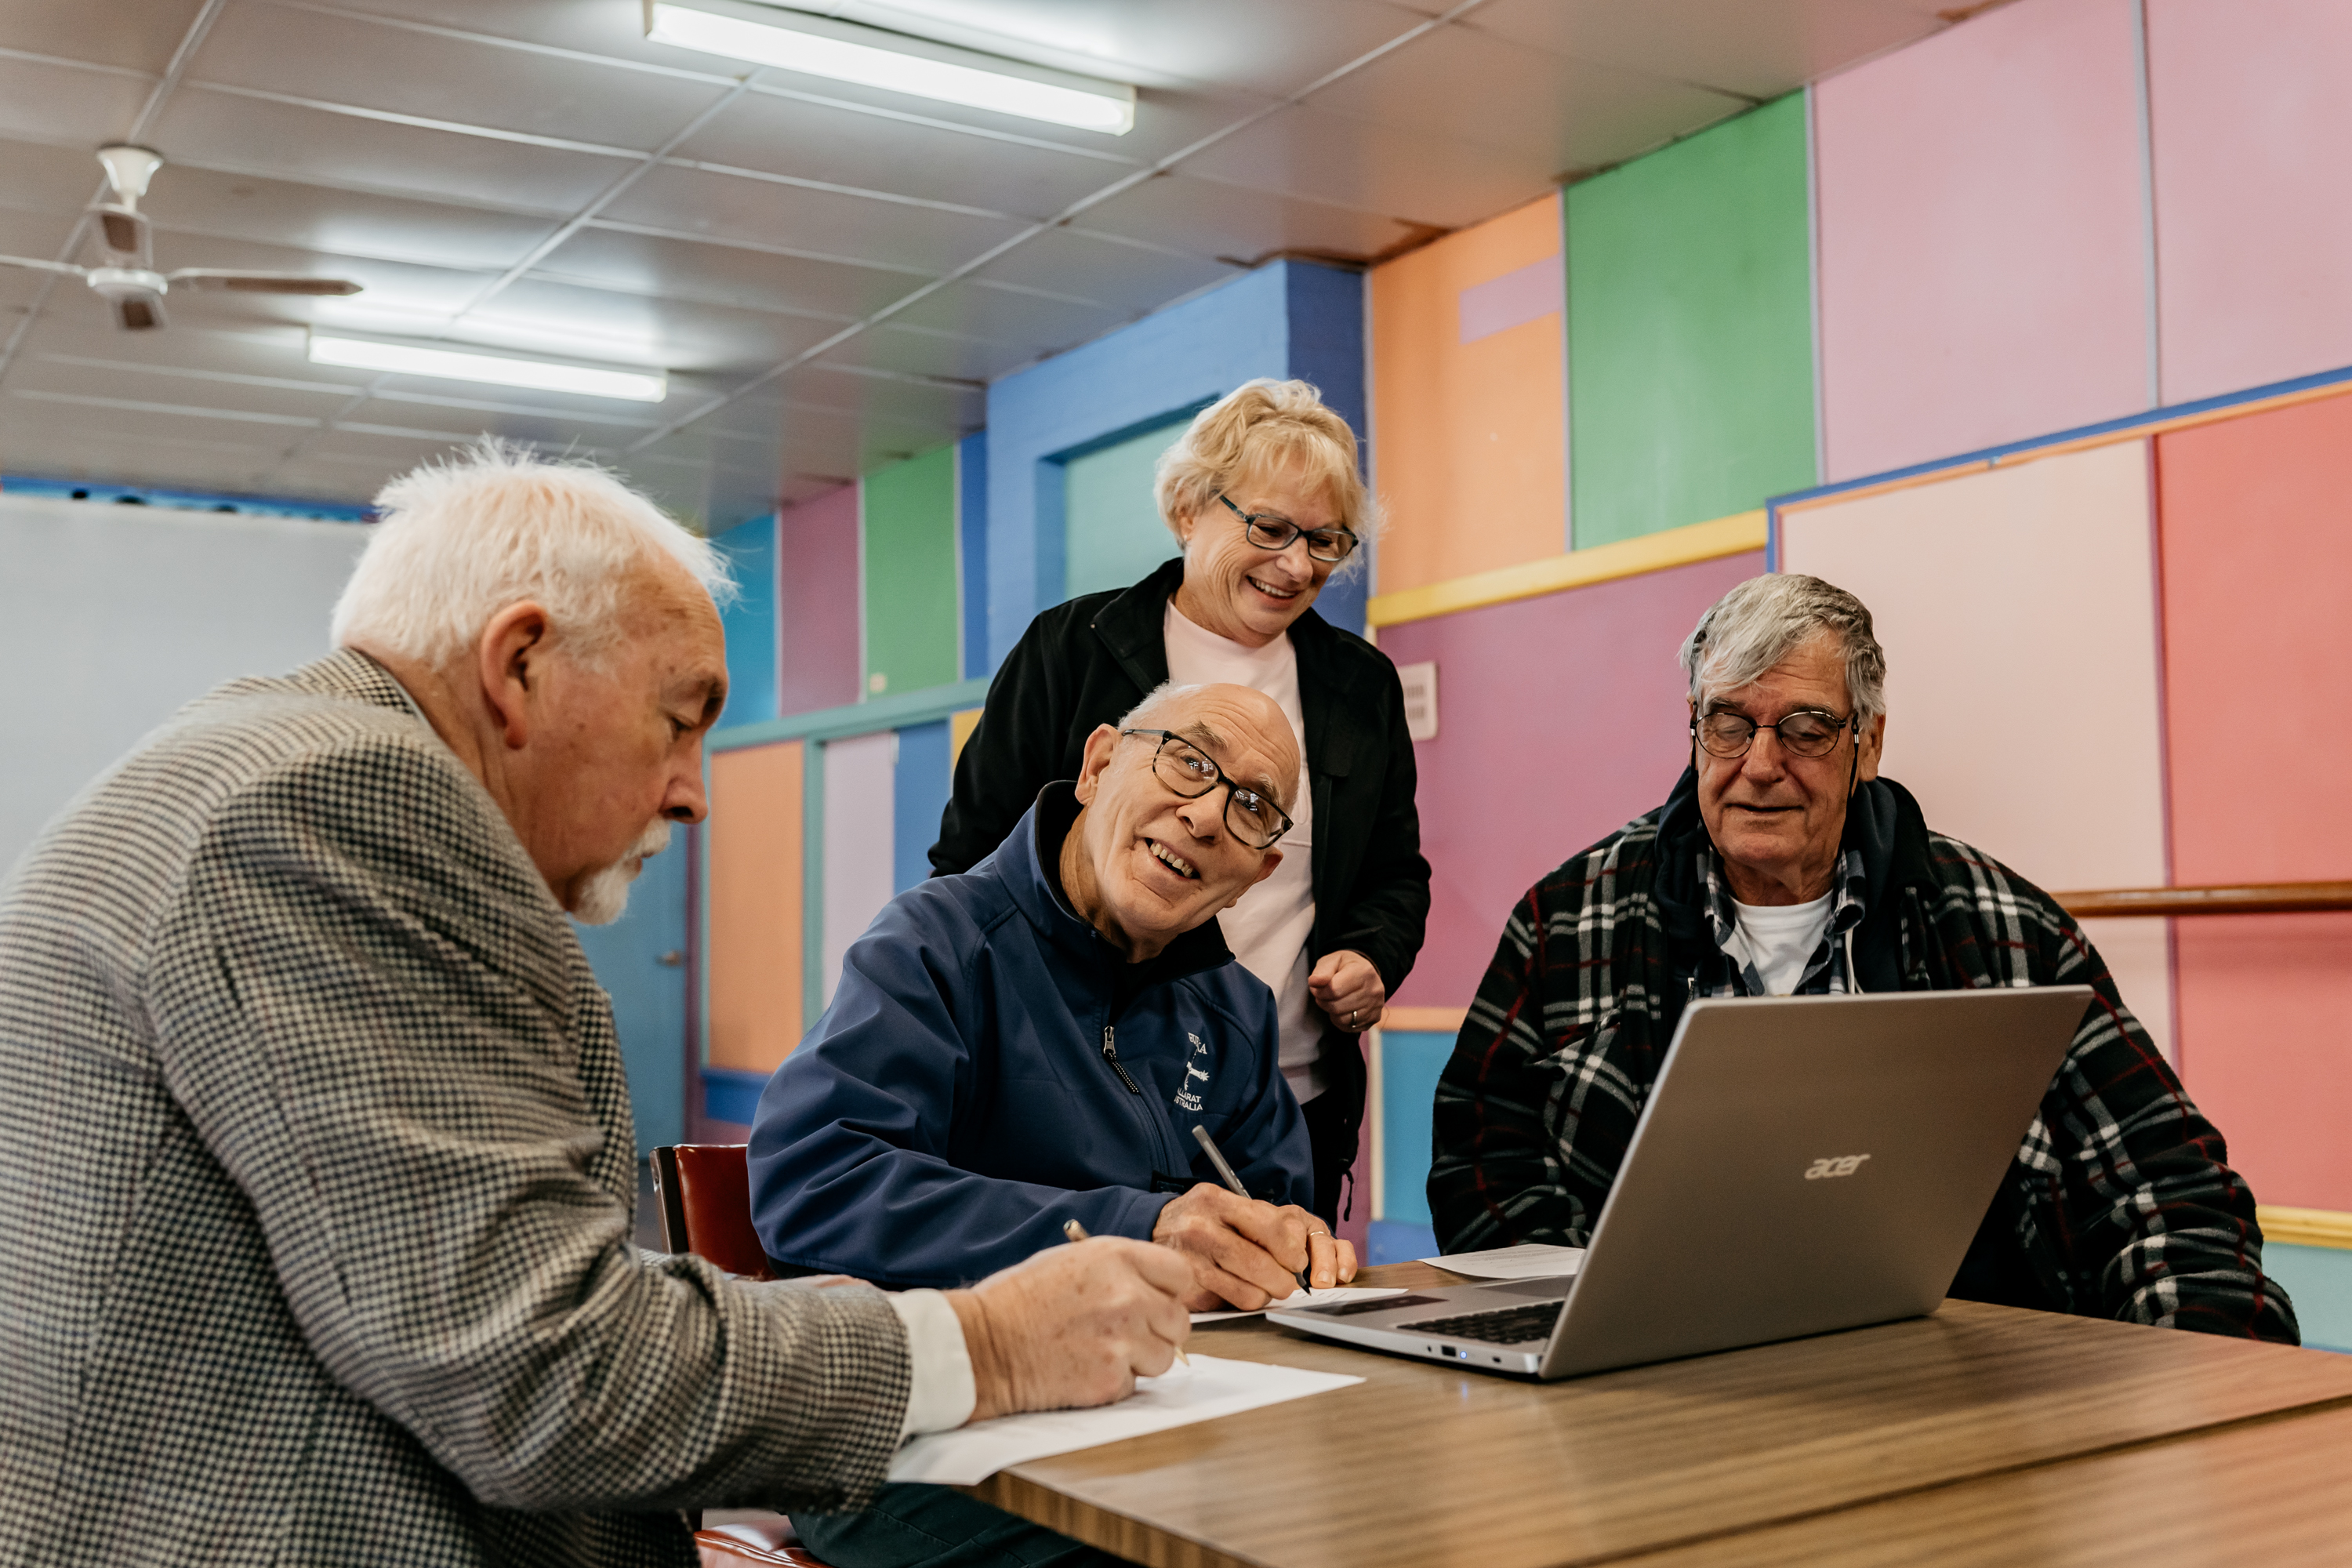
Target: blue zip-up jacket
(975,1082)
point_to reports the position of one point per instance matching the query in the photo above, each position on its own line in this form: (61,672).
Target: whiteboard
(112,617)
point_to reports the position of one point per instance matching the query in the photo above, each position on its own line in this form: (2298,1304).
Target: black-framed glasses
(1807,732)
(1269,531)
(1250,817)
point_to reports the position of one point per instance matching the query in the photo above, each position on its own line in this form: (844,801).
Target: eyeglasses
(1250,817)
(1808,733)
(1269,531)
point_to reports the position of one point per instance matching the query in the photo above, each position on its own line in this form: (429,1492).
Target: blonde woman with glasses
(1264,496)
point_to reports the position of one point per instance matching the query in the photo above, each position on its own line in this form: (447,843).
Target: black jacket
(1088,662)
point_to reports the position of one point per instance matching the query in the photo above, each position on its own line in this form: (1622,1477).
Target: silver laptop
(1804,1163)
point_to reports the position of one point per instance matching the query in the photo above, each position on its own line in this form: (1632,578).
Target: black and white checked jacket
(316,1173)
(2121,1202)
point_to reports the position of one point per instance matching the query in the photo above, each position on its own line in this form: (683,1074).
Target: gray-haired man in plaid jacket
(313,1133)
(1783,864)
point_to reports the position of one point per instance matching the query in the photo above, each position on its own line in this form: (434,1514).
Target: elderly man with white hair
(313,1128)
(1783,864)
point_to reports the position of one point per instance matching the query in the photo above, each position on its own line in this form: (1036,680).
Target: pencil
(1217,1158)
(1078,1231)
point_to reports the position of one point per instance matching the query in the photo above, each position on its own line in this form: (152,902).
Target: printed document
(1533,1261)
(1211,1386)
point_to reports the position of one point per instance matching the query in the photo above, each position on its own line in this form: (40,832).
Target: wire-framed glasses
(1183,767)
(1269,531)
(1807,732)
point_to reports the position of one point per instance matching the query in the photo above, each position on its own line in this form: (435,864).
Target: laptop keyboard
(1508,1325)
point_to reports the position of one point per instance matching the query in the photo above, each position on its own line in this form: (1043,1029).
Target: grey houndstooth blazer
(316,1171)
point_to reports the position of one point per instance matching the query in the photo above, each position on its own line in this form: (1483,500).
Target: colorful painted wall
(2031,334)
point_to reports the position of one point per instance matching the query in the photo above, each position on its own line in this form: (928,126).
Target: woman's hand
(1347,986)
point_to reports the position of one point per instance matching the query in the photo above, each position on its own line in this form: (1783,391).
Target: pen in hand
(1078,1231)
(1217,1158)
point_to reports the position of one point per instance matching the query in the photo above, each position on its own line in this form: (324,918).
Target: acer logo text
(1846,1166)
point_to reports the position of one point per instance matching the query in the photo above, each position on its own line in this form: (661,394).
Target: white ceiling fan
(128,282)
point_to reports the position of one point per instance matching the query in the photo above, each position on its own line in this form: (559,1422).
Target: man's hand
(1349,989)
(1073,1326)
(1246,1252)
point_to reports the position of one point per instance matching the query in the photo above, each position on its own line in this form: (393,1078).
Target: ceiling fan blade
(125,231)
(263,282)
(139,312)
(65,266)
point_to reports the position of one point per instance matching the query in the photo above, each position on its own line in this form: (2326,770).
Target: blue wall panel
(1285,319)
(1410,1063)
(971,542)
(751,620)
(925,767)
(648,995)
(2319,1279)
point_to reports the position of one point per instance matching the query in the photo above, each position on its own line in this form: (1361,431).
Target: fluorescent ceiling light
(846,51)
(465,364)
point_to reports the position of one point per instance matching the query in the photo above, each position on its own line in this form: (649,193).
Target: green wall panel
(911,575)
(1113,532)
(1690,330)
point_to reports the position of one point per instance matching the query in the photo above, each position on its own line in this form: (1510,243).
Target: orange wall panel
(755,905)
(1469,439)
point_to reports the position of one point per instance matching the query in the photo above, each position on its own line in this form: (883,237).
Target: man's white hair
(1765,619)
(461,540)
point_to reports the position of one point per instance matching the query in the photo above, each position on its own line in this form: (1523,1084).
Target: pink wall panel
(1982,257)
(2018,611)
(2263,1005)
(817,603)
(1560,719)
(2256,557)
(2254,236)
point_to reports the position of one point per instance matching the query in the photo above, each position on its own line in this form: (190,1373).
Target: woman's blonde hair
(1259,426)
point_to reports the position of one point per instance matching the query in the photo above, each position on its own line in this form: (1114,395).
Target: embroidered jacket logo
(1833,1166)
(1187,1096)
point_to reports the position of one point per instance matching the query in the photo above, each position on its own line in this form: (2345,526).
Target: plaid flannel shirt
(2120,1203)
(1823,974)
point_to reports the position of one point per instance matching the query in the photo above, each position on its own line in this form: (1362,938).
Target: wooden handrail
(2257,899)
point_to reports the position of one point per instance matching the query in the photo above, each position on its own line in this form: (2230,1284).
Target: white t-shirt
(1778,938)
(1268,929)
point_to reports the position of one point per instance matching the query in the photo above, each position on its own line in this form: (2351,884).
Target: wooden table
(1978,1428)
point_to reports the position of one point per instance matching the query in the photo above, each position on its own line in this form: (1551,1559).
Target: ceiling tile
(50,375)
(982,311)
(1541,112)
(692,201)
(193,200)
(721,274)
(344,60)
(784,136)
(1244,225)
(1759,47)
(1419,177)
(950,410)
(559,320)
(946,356)
(138,34)
(59,104)
(292,142)
(1126,277)
(37,178)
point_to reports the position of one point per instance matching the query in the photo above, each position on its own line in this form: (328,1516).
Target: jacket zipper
(1110,1055)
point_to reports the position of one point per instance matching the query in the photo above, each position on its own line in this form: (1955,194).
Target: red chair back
(705,1205)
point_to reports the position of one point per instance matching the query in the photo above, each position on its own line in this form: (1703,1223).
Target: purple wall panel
(2252,233)
(817,603)
(1982,241)
(1559,719)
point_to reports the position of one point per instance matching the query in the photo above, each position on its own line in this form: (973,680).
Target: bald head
(1153,854)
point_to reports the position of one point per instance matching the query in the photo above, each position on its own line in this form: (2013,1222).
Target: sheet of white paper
(1211,1386)
(1306,1299)
(1533,1261)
